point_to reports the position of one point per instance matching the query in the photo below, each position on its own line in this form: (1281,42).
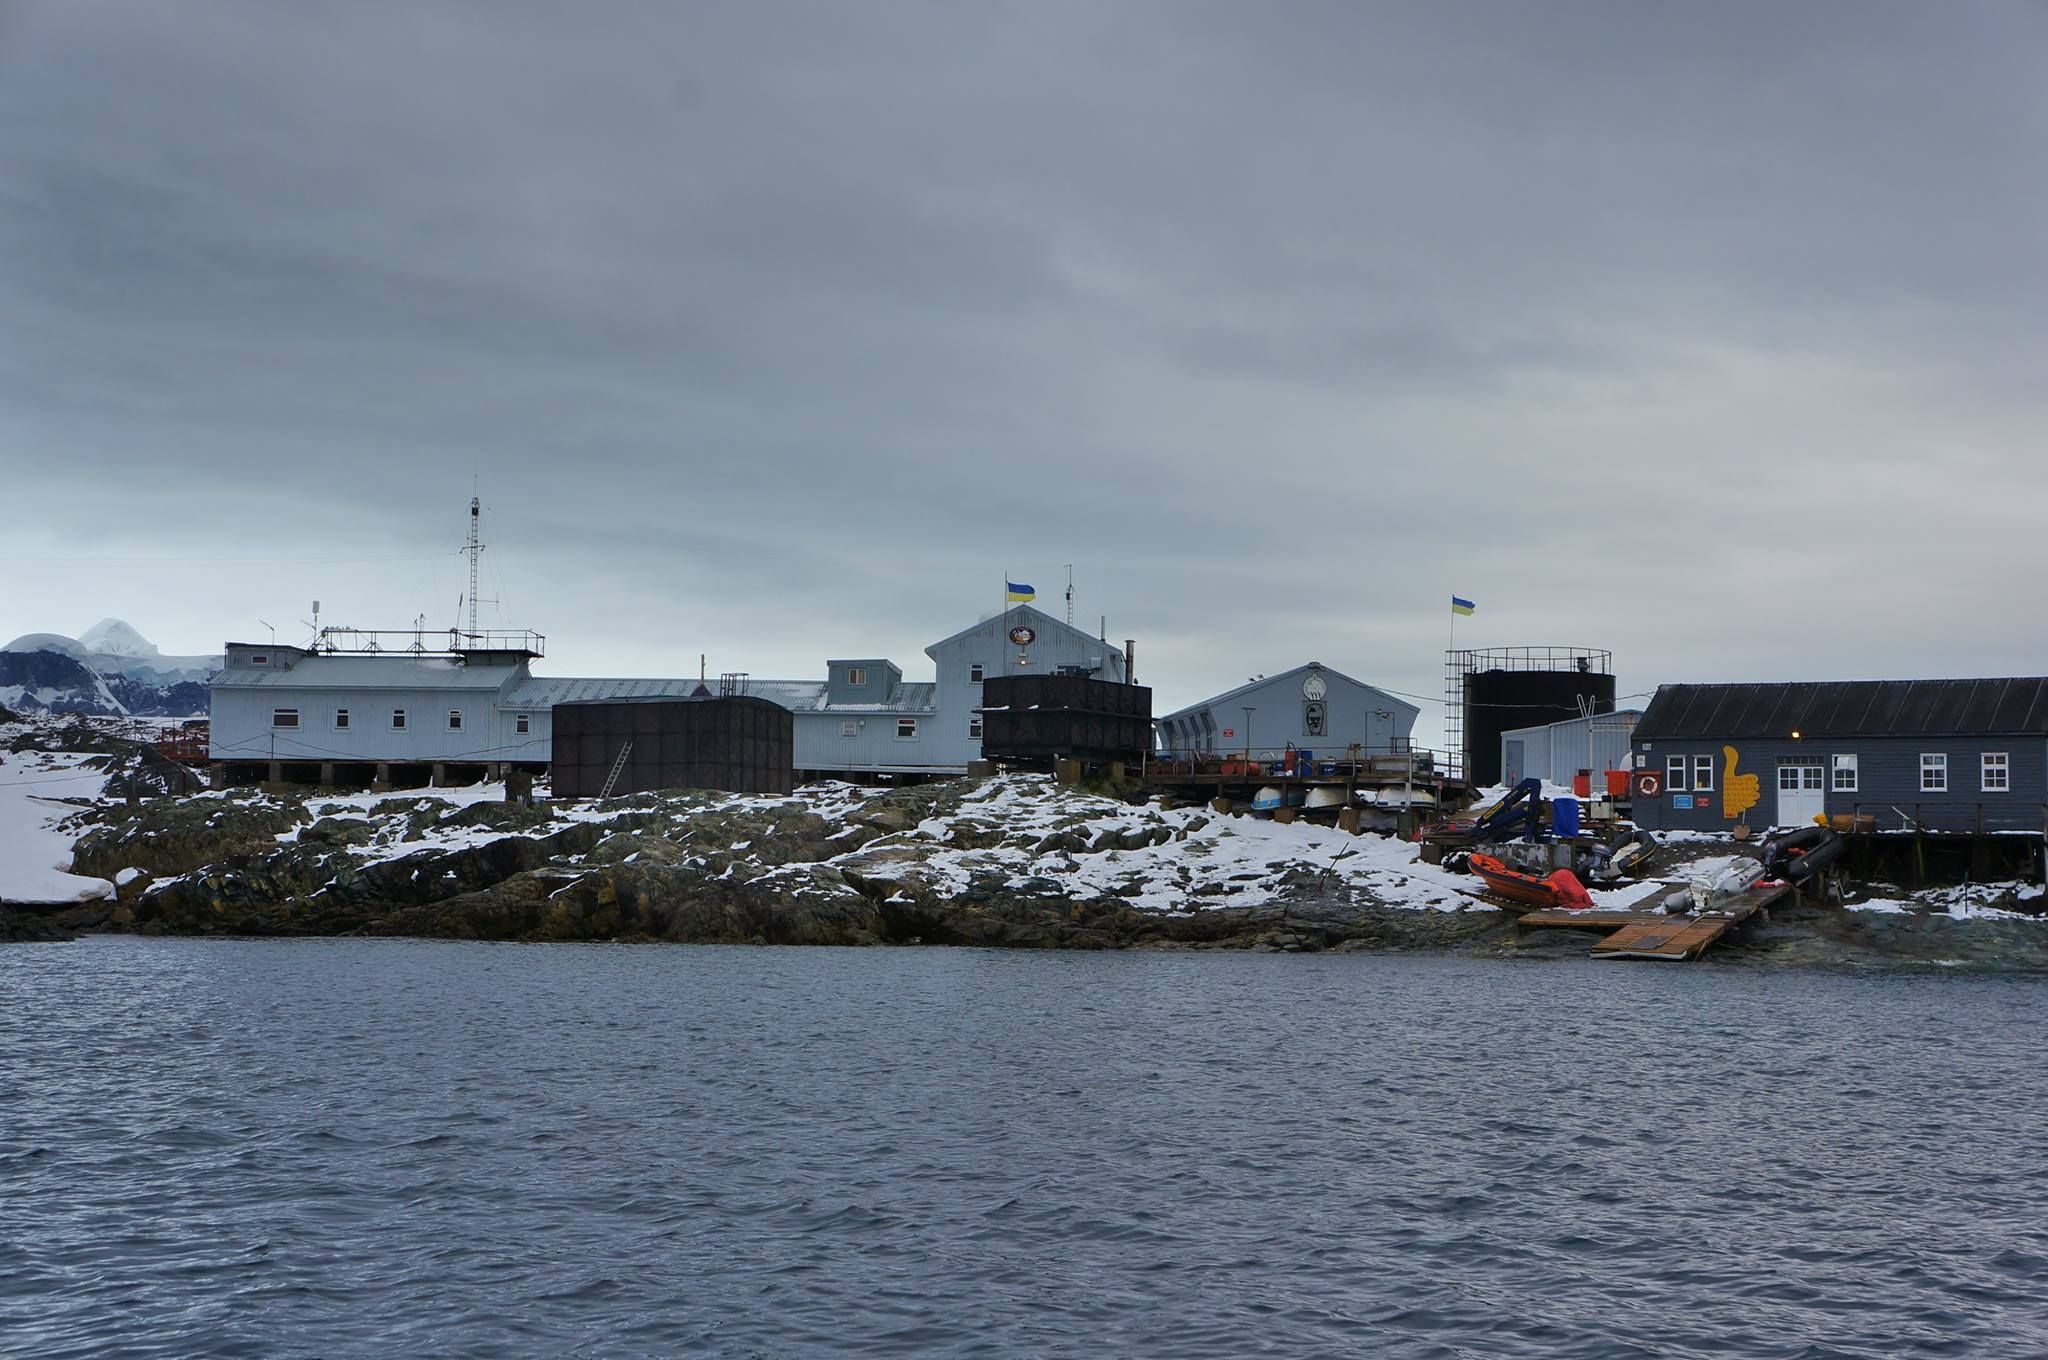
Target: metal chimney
(1130,661)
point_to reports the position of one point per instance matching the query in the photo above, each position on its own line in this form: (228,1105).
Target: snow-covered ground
(1967,902)
(35,856)
(1001,832)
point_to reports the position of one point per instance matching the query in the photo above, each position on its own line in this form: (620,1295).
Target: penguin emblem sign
(1023,635)
(1314,688)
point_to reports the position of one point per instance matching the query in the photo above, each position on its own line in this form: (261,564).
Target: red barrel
(1582,783)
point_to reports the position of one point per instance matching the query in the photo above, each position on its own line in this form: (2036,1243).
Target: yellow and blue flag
(1020,593)
(1459,606)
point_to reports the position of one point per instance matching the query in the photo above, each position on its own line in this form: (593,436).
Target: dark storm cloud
(780,330)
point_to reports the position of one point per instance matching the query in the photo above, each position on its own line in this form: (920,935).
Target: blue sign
(1682,801)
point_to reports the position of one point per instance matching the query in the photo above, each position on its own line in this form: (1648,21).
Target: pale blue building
(1311,707)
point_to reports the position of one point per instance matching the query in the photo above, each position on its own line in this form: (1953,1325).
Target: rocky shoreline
(1012,862)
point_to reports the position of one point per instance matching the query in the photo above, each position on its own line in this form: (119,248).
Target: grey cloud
(768,329)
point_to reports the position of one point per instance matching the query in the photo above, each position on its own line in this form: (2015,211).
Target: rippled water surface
(381,1148)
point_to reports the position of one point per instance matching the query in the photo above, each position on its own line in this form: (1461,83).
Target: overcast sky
(1710,334)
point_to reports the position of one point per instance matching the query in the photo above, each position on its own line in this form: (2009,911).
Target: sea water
(404,1148)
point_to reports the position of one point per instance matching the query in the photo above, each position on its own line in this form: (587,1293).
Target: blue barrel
(1564,816)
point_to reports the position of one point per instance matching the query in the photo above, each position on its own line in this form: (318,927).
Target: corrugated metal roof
(1851,708)
(546,691)
(1620,719)
(1224,699)
(368,672)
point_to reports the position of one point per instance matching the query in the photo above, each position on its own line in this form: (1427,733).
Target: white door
(1802,795)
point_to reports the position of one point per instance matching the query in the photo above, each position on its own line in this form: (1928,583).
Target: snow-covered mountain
(110,669)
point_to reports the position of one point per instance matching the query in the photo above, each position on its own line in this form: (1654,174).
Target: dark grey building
(1947,755)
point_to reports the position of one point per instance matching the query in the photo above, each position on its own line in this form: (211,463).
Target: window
(1934,772)
(857,676)
(1997,772)
(1703,772)
(1674,772)
(849,728)
(1845,774)
(259,658)
(284,717)
(522,723)
(341,720)
(454,720)
(975,674)
(906,729)
(974,728)
(398,720)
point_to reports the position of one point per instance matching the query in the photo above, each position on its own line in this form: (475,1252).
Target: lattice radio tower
(475,550)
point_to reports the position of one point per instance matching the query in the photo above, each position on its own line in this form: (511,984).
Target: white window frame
(848,727)
(1703,774)
(1840,766)
(285,718)
(1994,762)
(906,729)
(341,720)
(398,720)
(976,673)
(454,720)
(856,677)
(1934,764)
(974,727)
(522,724)
(1675,772)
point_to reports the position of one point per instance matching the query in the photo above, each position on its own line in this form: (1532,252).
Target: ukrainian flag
(1459,606)
(1020,593)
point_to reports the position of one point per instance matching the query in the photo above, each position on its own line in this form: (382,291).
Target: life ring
(1648,784)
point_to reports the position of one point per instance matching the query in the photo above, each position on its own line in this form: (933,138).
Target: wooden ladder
(611,781)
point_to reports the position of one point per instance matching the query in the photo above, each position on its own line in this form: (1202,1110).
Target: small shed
(1554,752)
(734,742)
(1882,755)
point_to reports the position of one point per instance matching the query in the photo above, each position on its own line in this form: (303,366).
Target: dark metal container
(738,743)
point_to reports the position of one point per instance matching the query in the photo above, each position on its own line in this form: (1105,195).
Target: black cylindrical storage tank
(1501,697)
(737,743)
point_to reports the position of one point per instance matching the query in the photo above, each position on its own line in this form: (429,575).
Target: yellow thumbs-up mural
(1739,792)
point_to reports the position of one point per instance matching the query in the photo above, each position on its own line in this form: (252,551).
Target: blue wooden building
(1939,755)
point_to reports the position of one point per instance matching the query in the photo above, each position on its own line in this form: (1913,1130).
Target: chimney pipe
(1130,661)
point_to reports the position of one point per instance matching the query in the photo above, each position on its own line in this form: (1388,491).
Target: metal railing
(1418,763)
(419,641)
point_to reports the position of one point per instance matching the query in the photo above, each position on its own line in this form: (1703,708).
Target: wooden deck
(1644,930)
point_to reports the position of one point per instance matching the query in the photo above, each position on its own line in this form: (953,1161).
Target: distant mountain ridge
(110,670)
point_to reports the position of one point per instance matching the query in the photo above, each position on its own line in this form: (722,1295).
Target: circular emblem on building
(1023,635)
(1649,784)
(1314,687)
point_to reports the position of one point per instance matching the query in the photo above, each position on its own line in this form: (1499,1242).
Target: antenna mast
(475,550)
(1070,594)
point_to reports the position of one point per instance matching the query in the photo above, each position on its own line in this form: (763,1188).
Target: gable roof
(1847,708)
(1223,699)
(1112,654)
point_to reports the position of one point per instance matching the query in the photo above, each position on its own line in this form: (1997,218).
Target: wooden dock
(1643,930)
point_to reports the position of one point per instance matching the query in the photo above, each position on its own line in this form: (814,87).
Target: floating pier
(1643,930)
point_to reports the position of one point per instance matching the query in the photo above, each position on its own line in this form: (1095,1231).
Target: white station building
(381,707)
